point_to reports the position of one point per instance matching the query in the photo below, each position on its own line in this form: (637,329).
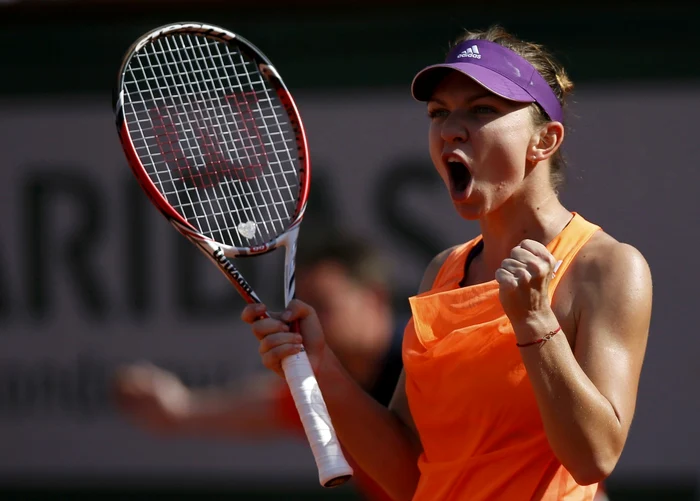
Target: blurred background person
(347,282)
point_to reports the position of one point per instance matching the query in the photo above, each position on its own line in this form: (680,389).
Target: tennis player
(347,282)
(524,351)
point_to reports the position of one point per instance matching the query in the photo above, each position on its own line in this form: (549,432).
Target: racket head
(213,136)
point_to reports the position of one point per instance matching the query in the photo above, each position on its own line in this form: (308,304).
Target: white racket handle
(333,469)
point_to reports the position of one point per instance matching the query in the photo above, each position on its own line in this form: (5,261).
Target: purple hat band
(497,69)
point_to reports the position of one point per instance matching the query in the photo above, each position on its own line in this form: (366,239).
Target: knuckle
(275,341)
(248,314)
(310,313)
(273,358)
(256,328)
(267,343)
(270,361)
(263,327)
(521,273)
(295,305)
(538,269)
(518,254)
(301,308)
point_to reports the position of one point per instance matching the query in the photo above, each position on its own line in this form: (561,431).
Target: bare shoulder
(606,261)
(433,268)
(612,276)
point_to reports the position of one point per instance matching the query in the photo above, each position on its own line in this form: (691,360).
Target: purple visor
(497,69)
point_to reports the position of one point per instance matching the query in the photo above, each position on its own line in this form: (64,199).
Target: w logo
(204,144)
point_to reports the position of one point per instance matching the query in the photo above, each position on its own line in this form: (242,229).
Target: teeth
(454,160)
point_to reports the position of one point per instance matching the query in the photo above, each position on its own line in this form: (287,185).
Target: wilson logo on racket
(197,146)
(221,258)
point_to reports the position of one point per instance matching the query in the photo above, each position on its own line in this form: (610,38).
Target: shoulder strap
(567,244)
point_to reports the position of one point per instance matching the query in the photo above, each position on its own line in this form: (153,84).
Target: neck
(539,217)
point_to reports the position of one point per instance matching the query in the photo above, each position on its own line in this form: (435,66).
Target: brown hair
(547,66)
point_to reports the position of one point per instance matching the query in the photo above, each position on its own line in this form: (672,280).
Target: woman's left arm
(586,396)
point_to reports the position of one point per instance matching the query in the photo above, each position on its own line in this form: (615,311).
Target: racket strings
(214,138)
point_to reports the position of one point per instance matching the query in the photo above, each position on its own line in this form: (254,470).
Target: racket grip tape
(333,468)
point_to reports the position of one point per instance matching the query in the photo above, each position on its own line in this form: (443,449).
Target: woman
(523,355)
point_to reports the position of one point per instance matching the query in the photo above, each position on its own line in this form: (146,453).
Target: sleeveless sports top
(469,393)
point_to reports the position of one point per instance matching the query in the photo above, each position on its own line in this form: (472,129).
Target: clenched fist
(523,280)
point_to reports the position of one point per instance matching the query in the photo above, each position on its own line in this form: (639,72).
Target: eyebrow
(470,100)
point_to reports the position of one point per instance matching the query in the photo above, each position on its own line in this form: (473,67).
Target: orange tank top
(469,393)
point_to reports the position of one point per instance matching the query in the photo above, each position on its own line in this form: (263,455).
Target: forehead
(456,88)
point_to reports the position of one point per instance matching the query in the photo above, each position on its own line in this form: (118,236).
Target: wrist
(535,327)
(331,375)
(328,365)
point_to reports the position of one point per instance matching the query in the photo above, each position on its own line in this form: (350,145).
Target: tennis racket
(215,140)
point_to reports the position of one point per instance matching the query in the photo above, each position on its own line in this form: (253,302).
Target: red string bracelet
(541,340)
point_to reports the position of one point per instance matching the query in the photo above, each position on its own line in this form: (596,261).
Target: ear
(545,142)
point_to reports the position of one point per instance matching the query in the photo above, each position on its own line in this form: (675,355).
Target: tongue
(461,183)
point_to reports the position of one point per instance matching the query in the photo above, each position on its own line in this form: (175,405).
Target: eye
(482,109)
(438,113)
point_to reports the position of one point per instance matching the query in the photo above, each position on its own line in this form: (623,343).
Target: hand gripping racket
(215,140)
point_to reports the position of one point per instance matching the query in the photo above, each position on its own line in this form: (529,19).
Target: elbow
(594,461)
(590,476)
(594,470)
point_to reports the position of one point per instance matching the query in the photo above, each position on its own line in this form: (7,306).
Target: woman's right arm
(382,441)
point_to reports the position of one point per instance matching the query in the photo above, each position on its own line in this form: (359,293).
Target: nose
(453,131)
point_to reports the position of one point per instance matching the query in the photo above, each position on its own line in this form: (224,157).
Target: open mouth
(459,175)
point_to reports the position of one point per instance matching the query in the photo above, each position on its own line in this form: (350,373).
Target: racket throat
(290,251)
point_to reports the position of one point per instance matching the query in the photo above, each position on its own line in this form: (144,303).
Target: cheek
(434,142)
(503,152)
(436,145)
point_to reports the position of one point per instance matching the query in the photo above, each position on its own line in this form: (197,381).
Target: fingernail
(286,315)
(298,339)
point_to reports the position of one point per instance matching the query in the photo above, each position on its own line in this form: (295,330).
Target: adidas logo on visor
(473,51)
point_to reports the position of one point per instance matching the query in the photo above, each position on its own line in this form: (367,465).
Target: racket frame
(220,254)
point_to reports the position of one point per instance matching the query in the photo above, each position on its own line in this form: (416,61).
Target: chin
(468,212)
